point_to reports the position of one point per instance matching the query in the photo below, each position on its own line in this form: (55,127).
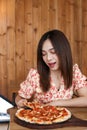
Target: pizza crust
(63,118)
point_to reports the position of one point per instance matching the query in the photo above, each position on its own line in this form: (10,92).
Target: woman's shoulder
(77,71)
(76,67)
(33,72)
(79,79)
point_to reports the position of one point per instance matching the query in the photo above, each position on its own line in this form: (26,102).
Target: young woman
(56,79)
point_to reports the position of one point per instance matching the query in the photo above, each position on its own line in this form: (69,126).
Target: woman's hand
(21,103)
(53,103)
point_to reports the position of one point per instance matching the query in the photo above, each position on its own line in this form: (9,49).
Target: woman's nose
(49,56)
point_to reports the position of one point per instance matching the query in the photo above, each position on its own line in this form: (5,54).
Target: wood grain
(22,22)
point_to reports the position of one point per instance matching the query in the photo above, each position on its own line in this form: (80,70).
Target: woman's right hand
(20,101)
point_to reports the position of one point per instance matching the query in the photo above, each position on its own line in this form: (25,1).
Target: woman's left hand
(54,103)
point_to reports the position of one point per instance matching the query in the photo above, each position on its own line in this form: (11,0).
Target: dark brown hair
(62,48)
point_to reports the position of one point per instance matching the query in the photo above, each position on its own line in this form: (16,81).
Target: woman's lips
(51,65)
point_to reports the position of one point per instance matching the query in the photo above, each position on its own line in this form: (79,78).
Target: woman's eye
(53,52)
(43,54)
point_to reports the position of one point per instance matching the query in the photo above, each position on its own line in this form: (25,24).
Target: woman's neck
(56,74)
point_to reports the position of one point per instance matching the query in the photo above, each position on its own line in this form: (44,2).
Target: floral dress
(31,86)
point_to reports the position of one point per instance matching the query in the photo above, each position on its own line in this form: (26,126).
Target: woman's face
(49,56)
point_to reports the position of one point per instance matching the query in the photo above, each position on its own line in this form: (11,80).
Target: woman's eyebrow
(49,49)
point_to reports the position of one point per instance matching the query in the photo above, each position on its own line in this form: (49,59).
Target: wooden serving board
(73,121)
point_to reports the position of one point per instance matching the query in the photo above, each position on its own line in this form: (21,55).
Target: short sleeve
(27,87)
(79,80)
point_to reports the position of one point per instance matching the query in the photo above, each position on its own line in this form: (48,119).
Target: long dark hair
(62,48)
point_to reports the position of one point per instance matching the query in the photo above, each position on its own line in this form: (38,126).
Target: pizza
(39,114)
(32,105)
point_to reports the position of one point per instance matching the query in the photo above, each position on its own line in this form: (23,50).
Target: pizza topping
(43,114)
(32,105)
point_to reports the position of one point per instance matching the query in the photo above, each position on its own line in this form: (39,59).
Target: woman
(56,79)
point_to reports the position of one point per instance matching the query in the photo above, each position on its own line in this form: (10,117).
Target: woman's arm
(27,88)
(80,101)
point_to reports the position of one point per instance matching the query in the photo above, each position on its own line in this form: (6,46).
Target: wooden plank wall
(22,22)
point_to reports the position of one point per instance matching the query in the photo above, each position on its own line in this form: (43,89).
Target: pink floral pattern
(31,87)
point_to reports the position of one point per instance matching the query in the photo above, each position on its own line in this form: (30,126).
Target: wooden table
(77,112)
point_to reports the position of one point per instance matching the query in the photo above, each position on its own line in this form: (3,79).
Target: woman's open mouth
(51,65)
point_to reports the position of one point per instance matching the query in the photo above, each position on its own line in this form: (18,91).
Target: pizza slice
(32,105)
